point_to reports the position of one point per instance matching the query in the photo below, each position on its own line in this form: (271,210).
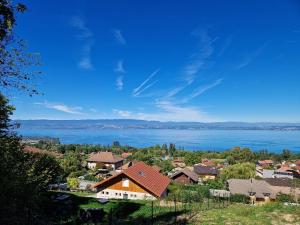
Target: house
(265,163)
(206,172)
(257,190)
(104,160)
(178,162)
(185,176)
(207,162)
(284,172)
(139,181)
(264,190)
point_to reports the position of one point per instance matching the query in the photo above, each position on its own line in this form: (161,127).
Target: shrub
(239,198)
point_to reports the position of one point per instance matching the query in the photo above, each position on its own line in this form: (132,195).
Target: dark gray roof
(188,173)
(201,170)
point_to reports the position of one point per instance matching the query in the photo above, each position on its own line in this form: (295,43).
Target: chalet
(185,176)
(206,172)
(139,181)
(104,160)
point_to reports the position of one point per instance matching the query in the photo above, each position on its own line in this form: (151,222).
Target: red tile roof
(104,157)
(297,162)
(145,176)
(34,150)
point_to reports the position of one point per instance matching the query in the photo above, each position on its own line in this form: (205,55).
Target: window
(107,193)
(116,194)
(125,182)
(102,192)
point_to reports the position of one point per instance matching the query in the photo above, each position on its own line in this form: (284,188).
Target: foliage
(238,171)
(13,55)
(239,198)
(71,163)
(73,183)
(284,198)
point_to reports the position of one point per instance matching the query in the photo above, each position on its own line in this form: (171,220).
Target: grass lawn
(273,214)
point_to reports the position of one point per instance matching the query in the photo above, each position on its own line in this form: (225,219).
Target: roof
(34,150)
(208,162)
(192,175)
(145,176)
(201,169)
(126,155)
(267,161)
(245,186)
(104,157)
(284,169)
(282,182)
(297,162)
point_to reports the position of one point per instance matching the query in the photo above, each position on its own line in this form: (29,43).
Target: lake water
(220,140)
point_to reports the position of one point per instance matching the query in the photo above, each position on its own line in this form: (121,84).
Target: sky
(163,60)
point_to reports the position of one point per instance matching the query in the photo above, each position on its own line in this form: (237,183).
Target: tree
(286,154)
(238,171)
(13,55)
(172,149)
(71,163)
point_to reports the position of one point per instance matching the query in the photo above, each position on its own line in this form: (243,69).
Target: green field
(270,214)
(140,212)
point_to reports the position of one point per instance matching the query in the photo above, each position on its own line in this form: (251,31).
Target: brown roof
(297,162)
(31,149)
(260,188)
(104,157)
(205,170)
(145,176)
(282,182)
(283,169)
(192,175)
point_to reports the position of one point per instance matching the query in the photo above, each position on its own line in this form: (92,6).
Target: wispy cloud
(86,36)
(167,111)
(119,83)
(198,60)
(119,36)
(145,84)
(226,45)
(61,107)
(119,69)
(250,57)
(122,113)
(202,89)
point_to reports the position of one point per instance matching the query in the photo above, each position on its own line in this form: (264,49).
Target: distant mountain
(144,124)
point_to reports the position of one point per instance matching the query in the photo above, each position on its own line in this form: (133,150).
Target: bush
(239,198)
(284,198)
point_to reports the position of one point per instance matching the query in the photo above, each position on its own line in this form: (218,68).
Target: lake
(273,140)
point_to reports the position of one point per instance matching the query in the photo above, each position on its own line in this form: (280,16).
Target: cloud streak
(145,84)
(250,57)
(119,36)
(198,60)
(86,36)
(119,69)
(168,112)
(61,107)
(202,89)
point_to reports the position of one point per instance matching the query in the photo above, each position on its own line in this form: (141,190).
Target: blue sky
(164,60)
